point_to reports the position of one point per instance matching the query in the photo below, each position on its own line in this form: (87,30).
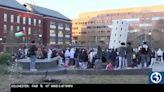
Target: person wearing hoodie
(160,55)
(122,55)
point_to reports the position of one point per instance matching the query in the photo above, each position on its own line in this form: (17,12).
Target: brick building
(57,27)
(94,28)
(39,26)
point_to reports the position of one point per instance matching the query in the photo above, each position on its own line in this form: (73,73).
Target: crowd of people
(120,58)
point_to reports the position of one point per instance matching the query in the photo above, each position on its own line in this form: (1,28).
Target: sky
(72,8)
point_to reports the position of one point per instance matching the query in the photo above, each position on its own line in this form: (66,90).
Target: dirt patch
(6,80)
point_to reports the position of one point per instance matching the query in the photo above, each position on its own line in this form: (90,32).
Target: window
(29,21)
(11,18)
(67,27)
(23,40)
(18,28)
(24,20)
(5,17)
(5,28)
(34,22)
(29,31)
(11,28)
(18,19)
(60,26)
(115,34)
(52,39)
(24,28)
(39,21)
(120,35)
(52,25)
(121,29)
(68,33)
(60,39)
(60,33)
(52,31)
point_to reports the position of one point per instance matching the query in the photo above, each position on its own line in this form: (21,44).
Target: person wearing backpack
(32,54)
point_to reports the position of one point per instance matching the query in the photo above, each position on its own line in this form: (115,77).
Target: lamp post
(150,38)
(40,36)
(0,39)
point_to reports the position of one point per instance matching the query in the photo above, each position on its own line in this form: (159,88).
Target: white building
(119,33)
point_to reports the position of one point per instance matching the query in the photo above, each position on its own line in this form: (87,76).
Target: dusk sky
(72,8)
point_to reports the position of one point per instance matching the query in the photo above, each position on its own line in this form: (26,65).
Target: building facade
(15,17)
(94,28)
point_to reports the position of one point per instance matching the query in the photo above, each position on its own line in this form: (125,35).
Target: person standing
(122,55)
(32,51)
(144,55)
(129,53)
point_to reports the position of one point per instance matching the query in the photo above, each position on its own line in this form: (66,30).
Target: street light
(0,39)
(150,38)
(40,36)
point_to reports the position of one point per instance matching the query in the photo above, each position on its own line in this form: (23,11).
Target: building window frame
(11,28)
(18,19)
(24,20)
(18,28)
(11,18)
(4,28)
(34,21)
(5,17)
(29,21)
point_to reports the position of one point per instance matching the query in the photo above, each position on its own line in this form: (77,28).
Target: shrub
(5,58)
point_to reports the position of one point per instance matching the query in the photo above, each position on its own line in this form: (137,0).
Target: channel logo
(156,78)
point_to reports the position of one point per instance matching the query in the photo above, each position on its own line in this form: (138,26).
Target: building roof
(12,4)
(47,12)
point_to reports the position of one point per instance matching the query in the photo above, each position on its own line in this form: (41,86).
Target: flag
(20,34)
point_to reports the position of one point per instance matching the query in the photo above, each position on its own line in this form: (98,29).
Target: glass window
(68,27)
(52,31)
(29,21)
(60,33)
(24,20)
(23,40)
(5,28)
(18,28)
(39,21)
(60,39)
(34,22)
(52,39)
(11,18)
(18,19)
(29,31)
(5,17)
(60,26)
(52,25)
(68,33)
(11,28)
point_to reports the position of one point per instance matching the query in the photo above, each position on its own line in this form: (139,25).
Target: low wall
(41,64)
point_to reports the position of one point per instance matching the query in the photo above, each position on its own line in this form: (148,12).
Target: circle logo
(156,77)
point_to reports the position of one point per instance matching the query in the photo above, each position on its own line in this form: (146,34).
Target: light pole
(0,39)
(150,38)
